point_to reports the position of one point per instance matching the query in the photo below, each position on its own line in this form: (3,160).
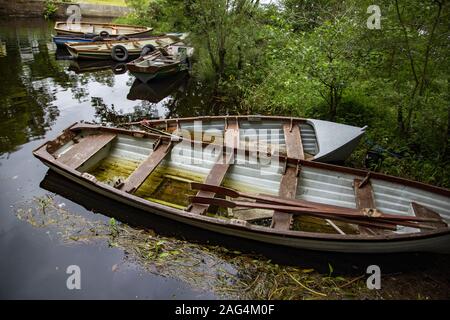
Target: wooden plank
(364,195)
(365,199)
(141,173)
(293,140)
(288,189)
(231,135)
(85,148)
(424,212)
(220,168)
(215,177)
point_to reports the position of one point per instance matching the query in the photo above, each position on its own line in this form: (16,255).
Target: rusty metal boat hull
(83,147)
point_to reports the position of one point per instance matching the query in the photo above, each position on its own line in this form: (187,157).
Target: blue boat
(62,40)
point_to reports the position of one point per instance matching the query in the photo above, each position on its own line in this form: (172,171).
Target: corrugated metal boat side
(434,243)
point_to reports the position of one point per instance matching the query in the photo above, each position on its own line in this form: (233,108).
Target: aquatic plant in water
(228,274)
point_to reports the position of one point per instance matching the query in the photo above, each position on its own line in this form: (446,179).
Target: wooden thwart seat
(293,140)
(288,189)
(84,149)
(141,173)
(220,168)
(231,134)
(289,180)
(215,177)
(365,199)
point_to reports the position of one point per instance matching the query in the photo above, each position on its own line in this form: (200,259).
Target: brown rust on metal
(424,212)
(134,181)
(61,140)
(85,148)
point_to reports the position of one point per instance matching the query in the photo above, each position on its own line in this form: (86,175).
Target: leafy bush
(50,9)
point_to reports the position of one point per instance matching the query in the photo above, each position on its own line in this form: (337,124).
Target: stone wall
(35,8)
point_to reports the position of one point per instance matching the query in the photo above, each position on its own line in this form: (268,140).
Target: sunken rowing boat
(100,29)
(322,141)
(118,50)
(293,202)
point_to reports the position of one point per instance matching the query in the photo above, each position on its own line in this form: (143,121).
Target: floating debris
(227,273)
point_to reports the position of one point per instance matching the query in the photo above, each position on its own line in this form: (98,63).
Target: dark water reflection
(40,83)
(41,93)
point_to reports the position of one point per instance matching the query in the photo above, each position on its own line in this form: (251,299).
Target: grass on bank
(120,3)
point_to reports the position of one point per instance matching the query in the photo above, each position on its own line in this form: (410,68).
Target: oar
(361,221)
(305,211)
(157,130)
(143,123)
(306,204)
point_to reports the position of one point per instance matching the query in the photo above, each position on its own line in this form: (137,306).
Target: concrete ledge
(35,8)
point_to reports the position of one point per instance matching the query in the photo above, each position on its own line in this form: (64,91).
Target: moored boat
(157,64)
(296,203)
(101,29)
(322,141)
(62,40)
(118,50)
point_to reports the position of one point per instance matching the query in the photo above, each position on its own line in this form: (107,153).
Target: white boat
(322,141)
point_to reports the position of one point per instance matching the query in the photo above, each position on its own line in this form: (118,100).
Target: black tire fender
(119,53)
(147,49)
(122,37)
(104,34)
(120,68)
(89,35)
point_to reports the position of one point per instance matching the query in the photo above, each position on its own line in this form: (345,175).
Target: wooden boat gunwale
(62,31)
(207,222)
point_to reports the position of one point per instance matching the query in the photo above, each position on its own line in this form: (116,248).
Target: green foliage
(50,9)
(319,59)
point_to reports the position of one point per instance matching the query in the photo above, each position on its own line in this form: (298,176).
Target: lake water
(41,93)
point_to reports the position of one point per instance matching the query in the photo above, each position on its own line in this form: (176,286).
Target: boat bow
(332,146)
